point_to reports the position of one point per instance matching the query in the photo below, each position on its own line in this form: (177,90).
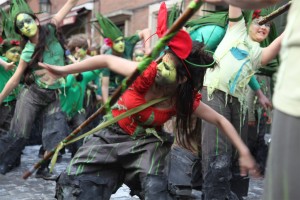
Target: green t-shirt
(4,77)
(72,100)
(114,78)
(53,54)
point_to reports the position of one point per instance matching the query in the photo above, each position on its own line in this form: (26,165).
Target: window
(45,6)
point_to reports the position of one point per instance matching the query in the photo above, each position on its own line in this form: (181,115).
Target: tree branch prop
(178,24)
(276,13)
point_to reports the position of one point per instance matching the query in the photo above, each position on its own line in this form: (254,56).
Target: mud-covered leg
(184,174)
(82,187)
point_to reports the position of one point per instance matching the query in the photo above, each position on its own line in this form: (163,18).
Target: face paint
(13,54)
(119,45)
(26,24)
(93,53)
(139,55)
(81,53)
(166,71)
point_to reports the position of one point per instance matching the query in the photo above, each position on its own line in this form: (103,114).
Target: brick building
(129,15)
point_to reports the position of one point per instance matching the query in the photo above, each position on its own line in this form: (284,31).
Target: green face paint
(166,71)
(13,54)
(26,24)
(81,53)
(139,55)
(119,45)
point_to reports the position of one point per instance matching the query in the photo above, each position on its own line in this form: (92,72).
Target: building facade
(128,15)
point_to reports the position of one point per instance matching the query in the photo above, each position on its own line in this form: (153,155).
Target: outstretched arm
(246,161)
(234,13)
(269,52)
(92,63)
(246,4)
(60,15)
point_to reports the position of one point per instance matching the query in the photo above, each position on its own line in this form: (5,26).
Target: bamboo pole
(276,13)
(178,24)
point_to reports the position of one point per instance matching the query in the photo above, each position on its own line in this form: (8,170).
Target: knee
(155,187)
(81,188)
(217,177)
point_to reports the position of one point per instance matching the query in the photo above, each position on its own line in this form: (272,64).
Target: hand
(263,100)
(248,164)
(52,69)
(47,77)
(9,66)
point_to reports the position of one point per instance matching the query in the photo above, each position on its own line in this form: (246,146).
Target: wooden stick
(178,24)
(275,14)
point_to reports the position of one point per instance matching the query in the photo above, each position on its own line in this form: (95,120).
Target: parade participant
(72,101)
(11,50)
(282,178)
(40,43)
(133,150)
(259,115)
(238,55)
(11,55)
(119,46)
(138,54)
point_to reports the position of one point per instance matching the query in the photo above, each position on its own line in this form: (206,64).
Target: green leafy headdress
(174,13)
(11,38)
(107,28)
(8,26)
(18,6)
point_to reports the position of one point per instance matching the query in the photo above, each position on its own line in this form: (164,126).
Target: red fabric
(181,43)
(162,20)
(135,96)
(256,14)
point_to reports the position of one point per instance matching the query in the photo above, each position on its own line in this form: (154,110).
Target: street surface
(12,186)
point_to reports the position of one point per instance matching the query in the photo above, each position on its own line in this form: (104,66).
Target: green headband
(107,28)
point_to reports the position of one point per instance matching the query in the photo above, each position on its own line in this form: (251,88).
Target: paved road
(12,186)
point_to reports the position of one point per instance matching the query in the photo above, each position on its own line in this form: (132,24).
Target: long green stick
(178,24)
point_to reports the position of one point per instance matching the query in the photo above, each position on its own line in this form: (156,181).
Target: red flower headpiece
(15,42)
(256,14)
(181,43)
(108,42)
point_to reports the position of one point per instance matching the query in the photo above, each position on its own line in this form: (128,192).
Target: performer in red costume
(133,151)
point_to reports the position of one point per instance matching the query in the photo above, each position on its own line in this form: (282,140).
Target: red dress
(150,117)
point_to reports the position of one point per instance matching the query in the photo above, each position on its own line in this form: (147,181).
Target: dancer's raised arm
(61,14)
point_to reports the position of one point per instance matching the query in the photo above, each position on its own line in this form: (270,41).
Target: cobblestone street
(12,186)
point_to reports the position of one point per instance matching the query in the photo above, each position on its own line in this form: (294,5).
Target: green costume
(72,100)
(116,79)
(53,55)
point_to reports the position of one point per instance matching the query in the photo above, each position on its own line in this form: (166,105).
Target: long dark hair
(187,91)
(40,47)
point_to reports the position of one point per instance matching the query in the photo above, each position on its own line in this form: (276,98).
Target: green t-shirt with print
(4,78)
(53,54)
